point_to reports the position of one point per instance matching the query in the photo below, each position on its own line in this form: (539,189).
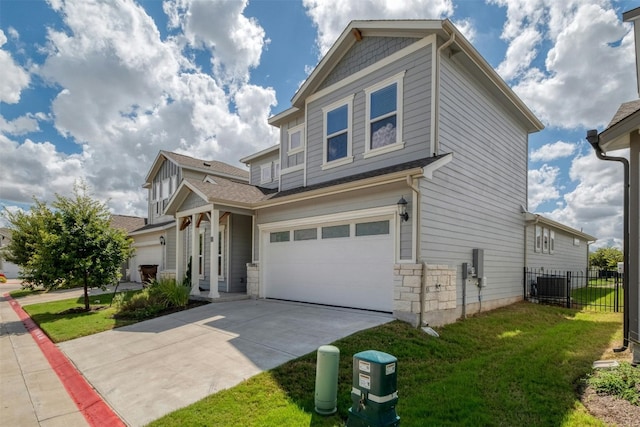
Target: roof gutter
(594,140)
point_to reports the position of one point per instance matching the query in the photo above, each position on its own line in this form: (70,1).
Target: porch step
(224,297)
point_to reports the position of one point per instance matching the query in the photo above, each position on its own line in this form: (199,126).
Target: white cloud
(554,151)
(235,41)
(14,78)
(125,94)
(542,186)
(332,16)
(571,88)
(595,205)
(20,126)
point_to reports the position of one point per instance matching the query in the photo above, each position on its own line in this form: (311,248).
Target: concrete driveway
(154,367)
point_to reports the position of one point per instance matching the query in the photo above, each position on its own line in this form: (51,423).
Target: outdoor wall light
(402,209)
(162,241)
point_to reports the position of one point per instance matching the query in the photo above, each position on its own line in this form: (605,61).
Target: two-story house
(399,184)
(155,242)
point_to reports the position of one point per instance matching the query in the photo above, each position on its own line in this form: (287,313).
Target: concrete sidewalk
(31,394)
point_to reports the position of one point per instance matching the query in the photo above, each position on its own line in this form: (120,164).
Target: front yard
(520,365)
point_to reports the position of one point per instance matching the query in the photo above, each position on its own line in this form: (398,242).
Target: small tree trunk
(86,290)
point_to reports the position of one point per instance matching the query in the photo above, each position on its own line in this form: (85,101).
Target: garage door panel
(352,272)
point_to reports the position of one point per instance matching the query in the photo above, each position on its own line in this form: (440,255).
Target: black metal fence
(599,290)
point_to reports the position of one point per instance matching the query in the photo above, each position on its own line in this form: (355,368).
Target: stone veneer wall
(440,296)
(253,279)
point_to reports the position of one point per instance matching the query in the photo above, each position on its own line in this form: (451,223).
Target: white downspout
(436,95)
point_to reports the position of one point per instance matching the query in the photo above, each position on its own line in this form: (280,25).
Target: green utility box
(375,390)
(326,397)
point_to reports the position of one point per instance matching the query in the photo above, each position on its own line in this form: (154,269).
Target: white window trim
(552,241)
(292,169)
(348,101)
(166,188)
(276,170)
(298,128)
(398,79)
(264,167)
(537,247)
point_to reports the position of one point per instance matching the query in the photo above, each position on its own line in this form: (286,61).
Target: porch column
(179,252)
(213,254)
(195,250)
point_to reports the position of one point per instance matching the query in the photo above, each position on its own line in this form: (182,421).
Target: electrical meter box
(374,391)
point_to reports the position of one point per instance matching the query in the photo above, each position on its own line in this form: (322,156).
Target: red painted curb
(89,402)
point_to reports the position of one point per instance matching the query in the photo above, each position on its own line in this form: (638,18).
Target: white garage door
(145,255)
(348,265)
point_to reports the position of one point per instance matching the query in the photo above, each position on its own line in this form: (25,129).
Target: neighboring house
(128,224)
(10,270)
(156,242)
(553,247)
(402,158)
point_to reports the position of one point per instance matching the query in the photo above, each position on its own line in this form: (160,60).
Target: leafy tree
(72,245)
(606,258)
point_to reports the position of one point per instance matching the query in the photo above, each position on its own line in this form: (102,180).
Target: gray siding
(364,53)
(566,256)
(192,201)
(256,171)
(474,201)
(170,248)
(292,180)
(416,119)
(239,252)
(386,195)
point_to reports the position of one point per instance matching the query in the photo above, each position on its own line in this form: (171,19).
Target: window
(337,133)
(306,234)
(276,170)
(174,184)
(384,115)
(296,142)
(221,253)
(545,240)
(335,231)
(372,228)
(552,241)
(576,241)
(279,236)
(538,241)
(156,191)
(201,249)
(165,188)
(265,173)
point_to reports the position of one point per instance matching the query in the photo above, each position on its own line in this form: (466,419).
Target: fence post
(616,306)
(524,283)
(568,289)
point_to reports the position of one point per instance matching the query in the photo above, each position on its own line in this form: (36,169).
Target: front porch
(222,296)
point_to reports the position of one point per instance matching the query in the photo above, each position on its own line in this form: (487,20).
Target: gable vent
(207,164)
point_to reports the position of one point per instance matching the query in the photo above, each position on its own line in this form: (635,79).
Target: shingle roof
(152,226)
(370,174)
(625,110)
(229,190)
(127,223)
(206,165)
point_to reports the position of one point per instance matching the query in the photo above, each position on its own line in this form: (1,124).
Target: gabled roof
(626,120)
(212,167)
(265,152)
(158,226)
(218,190)
(127,223)
(416,29)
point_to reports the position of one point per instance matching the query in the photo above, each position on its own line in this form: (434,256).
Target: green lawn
(598,297)
(515,366)
(60,325)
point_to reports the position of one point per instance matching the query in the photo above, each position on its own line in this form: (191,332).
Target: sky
(92,90)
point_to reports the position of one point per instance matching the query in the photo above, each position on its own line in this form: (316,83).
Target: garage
(145,255)
(346,264)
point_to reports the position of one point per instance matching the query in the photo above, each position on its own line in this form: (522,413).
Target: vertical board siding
(416,119)
(474,201)
(167,170)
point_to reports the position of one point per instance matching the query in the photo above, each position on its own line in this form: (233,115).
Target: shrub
(3,278)
(622,381)
(170,292)
(142,305)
